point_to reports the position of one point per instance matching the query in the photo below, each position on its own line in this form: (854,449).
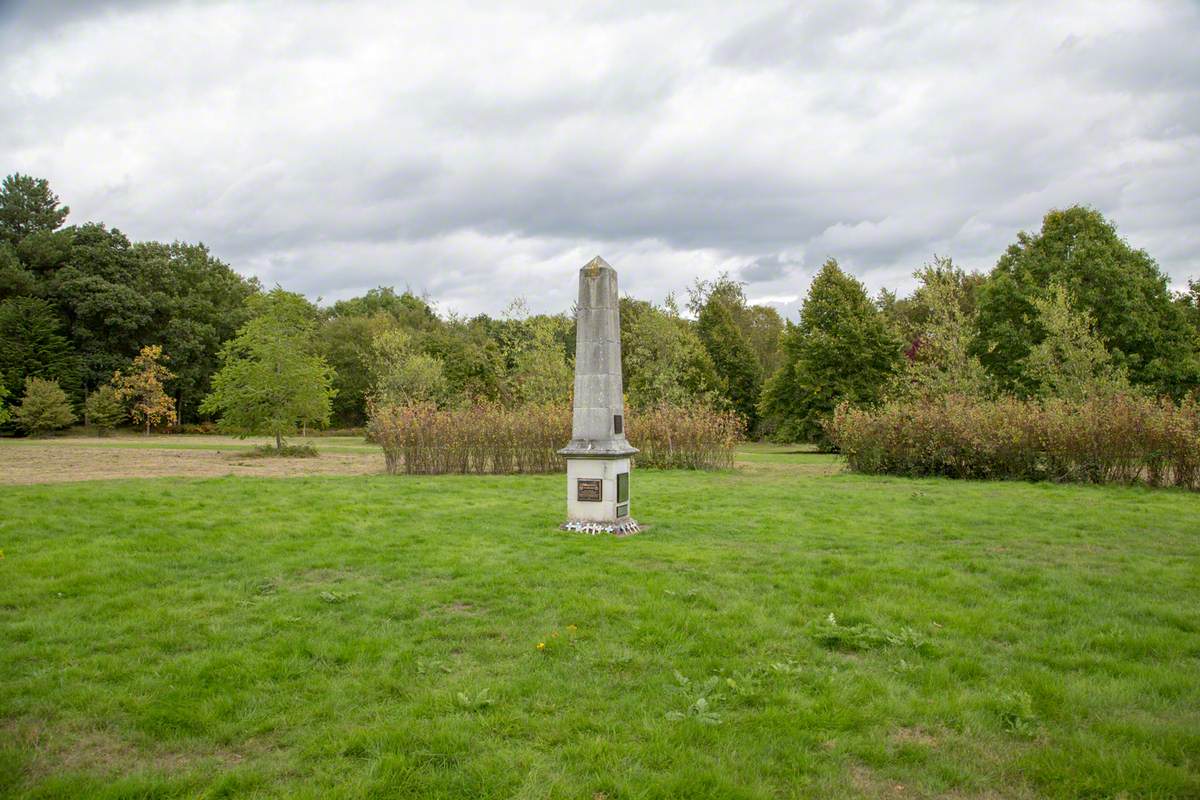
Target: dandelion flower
(541,645)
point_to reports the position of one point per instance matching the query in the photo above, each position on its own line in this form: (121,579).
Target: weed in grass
(430,666)
(1016,714)
(698,698)
(475,702)
(864,636)
(336,598)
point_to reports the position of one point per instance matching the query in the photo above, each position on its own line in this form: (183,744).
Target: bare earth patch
(59,462)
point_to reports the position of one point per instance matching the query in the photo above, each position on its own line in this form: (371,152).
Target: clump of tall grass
(685,437)
(489,438)
(1119,438)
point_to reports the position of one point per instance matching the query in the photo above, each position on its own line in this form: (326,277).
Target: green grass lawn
(378,637)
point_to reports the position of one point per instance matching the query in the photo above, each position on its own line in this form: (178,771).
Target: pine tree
(44,407)
(27,206)
(104,409)
(840,350)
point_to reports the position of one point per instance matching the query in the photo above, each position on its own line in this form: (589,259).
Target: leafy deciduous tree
(1121,288)
(402,375)
(142,388)
(663,358)
(271,381)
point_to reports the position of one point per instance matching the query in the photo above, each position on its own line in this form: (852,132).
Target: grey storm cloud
(477,153)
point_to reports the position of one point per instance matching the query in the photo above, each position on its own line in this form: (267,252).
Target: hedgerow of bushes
(1122,438)
(491,439)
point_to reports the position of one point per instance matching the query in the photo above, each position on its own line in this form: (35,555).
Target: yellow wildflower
(541,645)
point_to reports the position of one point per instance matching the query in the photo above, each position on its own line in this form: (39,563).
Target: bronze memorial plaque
(589,490)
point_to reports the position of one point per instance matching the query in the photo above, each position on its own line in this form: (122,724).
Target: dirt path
(61,460)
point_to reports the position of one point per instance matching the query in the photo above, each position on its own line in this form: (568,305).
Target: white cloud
(478,153)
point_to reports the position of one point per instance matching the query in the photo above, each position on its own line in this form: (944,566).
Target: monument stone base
(598,496)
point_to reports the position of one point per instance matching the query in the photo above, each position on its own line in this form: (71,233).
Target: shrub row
(492,439)
(1123,438)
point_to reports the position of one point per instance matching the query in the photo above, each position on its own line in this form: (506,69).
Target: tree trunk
(147,425)
(278,442)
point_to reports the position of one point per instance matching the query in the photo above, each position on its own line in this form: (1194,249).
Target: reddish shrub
(1123,438)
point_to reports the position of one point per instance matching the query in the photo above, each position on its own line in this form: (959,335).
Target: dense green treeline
(1062,309)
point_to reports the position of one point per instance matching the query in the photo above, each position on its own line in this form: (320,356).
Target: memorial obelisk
(598,456)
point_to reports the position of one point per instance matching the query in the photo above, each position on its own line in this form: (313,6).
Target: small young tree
(1070,362)
(104,409)
(271,382)
(44,407)
(5,412)
(143,389)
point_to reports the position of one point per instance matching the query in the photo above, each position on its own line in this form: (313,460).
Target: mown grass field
(367,636)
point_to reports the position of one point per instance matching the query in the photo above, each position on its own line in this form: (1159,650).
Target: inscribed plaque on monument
(589,490)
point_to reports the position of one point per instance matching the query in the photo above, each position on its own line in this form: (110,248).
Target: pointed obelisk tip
(595,265)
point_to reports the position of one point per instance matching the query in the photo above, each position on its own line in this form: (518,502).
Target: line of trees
(1069,309)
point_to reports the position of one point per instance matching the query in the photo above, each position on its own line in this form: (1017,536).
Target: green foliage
(698,698)
(287,451)
(841,350)
(44,407)
(910,317)
(864,636)
(5,411)
(15,279)
(104,409)
(663,359)
(761,326)
(27,206)
(1070,361)
(270,381)
(734,359)
(31,345)
(1121,288)
(535,350)
(199,303)
(345,342)
(939,361)
(400,375)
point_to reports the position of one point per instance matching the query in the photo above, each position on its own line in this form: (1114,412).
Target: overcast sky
(477,155)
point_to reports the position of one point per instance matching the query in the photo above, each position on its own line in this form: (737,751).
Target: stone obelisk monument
(598,456)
